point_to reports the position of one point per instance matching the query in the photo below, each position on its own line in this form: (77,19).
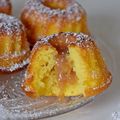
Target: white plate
(104,22)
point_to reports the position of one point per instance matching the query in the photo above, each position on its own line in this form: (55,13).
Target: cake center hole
(55,4)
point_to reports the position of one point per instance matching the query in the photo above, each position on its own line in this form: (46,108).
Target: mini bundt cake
(14,47)
(5,7)
(66,64)
(46,17)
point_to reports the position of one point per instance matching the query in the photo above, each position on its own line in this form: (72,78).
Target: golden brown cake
(14,48)
(66,64)
(5,7)
(46,17)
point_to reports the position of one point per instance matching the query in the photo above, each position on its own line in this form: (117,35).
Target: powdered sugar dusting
(80,37)
(73,11)
(10,25)
(15,66)
(15,54)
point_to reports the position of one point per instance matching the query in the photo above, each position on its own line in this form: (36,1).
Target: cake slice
(66,64)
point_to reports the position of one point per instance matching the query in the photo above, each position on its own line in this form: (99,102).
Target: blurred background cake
(14,47)
(46,17)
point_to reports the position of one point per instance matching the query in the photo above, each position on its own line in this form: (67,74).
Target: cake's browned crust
(50,17)
(78,65)
(95,91)
(5,7)
(14,47)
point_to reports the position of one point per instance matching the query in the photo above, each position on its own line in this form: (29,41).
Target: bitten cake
(5,7)
(46,17)
(14,47)
(66,64)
